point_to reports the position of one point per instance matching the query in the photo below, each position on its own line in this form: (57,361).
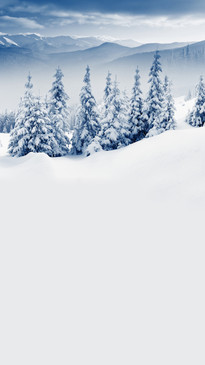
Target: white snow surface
(102,258)
(183,108)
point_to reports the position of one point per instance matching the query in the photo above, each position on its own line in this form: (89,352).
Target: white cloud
(66,17)
(20,21)
(28,8)
(124,20)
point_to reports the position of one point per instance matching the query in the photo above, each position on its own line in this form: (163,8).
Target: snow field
(102,258)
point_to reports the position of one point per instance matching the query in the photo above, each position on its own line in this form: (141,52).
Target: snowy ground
(102,259)
(182,109)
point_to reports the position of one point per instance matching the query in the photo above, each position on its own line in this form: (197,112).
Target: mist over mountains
(23,53)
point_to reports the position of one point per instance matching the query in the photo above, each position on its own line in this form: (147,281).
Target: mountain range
(38,43)
(72,50)
(21,53)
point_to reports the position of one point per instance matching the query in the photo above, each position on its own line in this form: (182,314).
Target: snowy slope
(102,259)
(182,109)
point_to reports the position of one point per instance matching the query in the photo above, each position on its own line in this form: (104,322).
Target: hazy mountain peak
(9,41)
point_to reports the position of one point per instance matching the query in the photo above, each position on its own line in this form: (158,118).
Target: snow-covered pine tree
(125,110)
(169,109)
(73,116)
(188,96)
(103,107)
(7,122)
(46,102)
(137,118)
(115,131)
(41,131)
(1,123)
(58,101)
(20,135)
(93,147)
(197,117)
(87,126)
(155,100)
(58,114)
(33,130)
(107,92)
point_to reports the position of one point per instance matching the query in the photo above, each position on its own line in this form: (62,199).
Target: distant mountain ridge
(183,65)
(101,54)
(183,62)
(60,44)
(38,43)
(57,44)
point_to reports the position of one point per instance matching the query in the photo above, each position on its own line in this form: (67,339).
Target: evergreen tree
(137,119)
(7,122)
(46,102)
(73,116)
(125,110)
(87,126)
(155,100)
(20,135)
(197,117)
(41,132)
(115,127)
(33,130)
(103,108)
(188,96)
(108,92)
(93,147)
(169,109)
(58,114)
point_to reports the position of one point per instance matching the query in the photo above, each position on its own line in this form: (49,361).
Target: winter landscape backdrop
(41,55)
(102,182)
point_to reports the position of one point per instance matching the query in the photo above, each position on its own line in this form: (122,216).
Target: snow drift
(102,258)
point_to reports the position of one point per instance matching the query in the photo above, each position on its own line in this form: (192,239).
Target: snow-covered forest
(51,126)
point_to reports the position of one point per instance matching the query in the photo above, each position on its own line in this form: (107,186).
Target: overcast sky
(142,20)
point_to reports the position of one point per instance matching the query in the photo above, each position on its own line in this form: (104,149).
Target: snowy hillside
(182,109)
(102,258)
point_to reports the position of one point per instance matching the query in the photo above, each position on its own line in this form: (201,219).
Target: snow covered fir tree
(107,92)
(137,118)
(41,132)
(58,114)
(88,124)
(20,135)
(169,109)
(7,122)
(155,99)
(197,116)
(115,131)
(33,131)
